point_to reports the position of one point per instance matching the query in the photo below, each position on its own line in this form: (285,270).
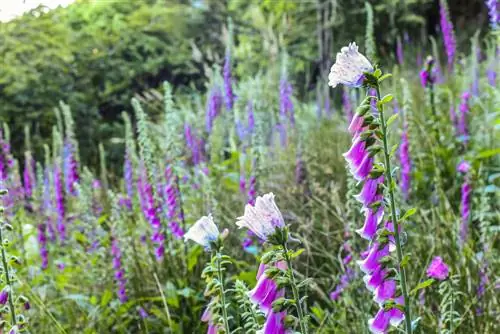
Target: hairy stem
(222,293)
(295,290)
(392,202)
(7,278)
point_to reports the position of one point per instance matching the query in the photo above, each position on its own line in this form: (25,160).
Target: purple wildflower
(119,272)
(404,157)
(384,317)
(4,296)
(463,167)
(70,168)
(252,191)
(251,117)
(42,243)
(438,269)
(399,51)
(214,103)
(59,198)
(29,175)
(448,33)
(465,203)
(128,175)
(150,211)
(142,312)
(286,104)
(172,212)
(264,293)
(463,129)
(228,84)
(493,12)
(207,316)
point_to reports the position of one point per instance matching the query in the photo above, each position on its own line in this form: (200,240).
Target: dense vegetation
(125,122)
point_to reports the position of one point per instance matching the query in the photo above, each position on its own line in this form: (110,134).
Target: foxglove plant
(29,174)
(493,13)
(449,40)
(369,129)
(264,219)
(399,51)
(214,104)
(465,201)
(286,104)
(120,278)
(171,206)
(205,233)
(228,80)
(464,109)
(404,158)
(346,104)
(59,201)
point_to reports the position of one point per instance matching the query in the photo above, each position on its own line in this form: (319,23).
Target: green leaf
(297,253)
(404,261)
(488,153)
(386,99)
(408,214)
(422,285)
(377,73)
(106,297)
(385,76)
(391,119)
(393,150)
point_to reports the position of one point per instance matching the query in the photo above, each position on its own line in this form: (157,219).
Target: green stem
(7,278)
(295,290)
(397,238)
(222,294)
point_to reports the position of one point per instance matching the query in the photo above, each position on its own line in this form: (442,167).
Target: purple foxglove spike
(214,104)
(252,191)
(465,203)
(286,104)
(242,184)
(399,51)
(119,272)
(128,175)
(228,84)
(492,76)
(448,34)
(328,109)
(251,117)
(356,125)
(493,13)
(59,199)
(404,157)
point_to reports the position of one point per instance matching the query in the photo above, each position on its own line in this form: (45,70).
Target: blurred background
(96,55)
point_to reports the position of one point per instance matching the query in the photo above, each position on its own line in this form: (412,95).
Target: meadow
(260,201)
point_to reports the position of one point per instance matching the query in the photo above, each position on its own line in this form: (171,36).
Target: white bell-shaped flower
(203,231)
(349,67)
(262,218)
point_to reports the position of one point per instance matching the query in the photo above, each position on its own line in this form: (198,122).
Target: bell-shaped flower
(375,279)
(385,291)
(274,324)
(369,193)
(203,232)
(394,316)
(349,67)
(266,290)
(372,219)
(372,261)
(438,269)
(263,218)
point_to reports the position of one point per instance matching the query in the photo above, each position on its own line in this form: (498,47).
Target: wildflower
(128,175)
(203,232)
(4,296)
(274,324)
(404,158)
(171,194)
(493,12)
(346,104)
(349,67)
(383,318)
(42,242)
(119,273)
(59,197)
(463,167)
(263,218)
(465,202)
(70,168)
(207,316)
(214,103)
(228,84)
(448,33)
(142,312)
(464,109)
(438,269)
(28,175)
(286,104)
(266,290)
(399,51)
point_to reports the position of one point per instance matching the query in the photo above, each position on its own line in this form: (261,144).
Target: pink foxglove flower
(203,232)
(394,316)
(263,218)
(349,67)
(438,269)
